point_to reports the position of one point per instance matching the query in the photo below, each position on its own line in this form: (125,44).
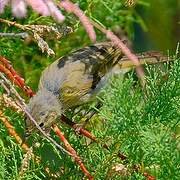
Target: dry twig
(41,31)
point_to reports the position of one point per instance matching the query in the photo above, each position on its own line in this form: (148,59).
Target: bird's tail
(150,57)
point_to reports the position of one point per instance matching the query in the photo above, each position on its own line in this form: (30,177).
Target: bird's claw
(78,128)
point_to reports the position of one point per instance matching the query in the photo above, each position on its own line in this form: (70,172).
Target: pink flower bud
(55,12)
(3,3)
(18,8)
(39,6)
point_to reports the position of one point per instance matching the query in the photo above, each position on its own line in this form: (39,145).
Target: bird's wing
(84,70)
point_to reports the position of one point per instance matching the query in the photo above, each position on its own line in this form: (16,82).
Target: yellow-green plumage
(83,70)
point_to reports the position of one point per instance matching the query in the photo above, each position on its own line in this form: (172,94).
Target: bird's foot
(78,128)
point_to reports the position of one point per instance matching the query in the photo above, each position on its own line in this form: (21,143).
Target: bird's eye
(41,124)
(42,113)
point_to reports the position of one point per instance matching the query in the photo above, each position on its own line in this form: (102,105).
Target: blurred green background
(161,30)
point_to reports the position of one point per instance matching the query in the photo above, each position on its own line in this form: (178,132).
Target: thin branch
(11,130)
(70,7)
(25,162)
(10,23)
(7,69)
(72,151)
(21,35)
(39,31)
(82,131)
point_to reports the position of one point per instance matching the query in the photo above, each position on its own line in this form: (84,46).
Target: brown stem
(10,23)
(21,35)
(11,131)
(82,130)
(72,151)
(149,177)
(7,69)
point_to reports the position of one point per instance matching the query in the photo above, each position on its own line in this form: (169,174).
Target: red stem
(82,130)
(6,68)
(72,151)
(149,177)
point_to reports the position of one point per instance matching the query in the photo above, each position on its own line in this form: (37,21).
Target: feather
(84,70)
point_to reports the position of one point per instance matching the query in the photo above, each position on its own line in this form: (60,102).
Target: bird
(76,79)
(71,81)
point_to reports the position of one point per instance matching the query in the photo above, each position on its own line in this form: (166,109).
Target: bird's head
(44,107)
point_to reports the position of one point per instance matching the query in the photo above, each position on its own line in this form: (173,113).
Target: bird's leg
(99,105)
(82,126)
(78,110)
(82,131)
